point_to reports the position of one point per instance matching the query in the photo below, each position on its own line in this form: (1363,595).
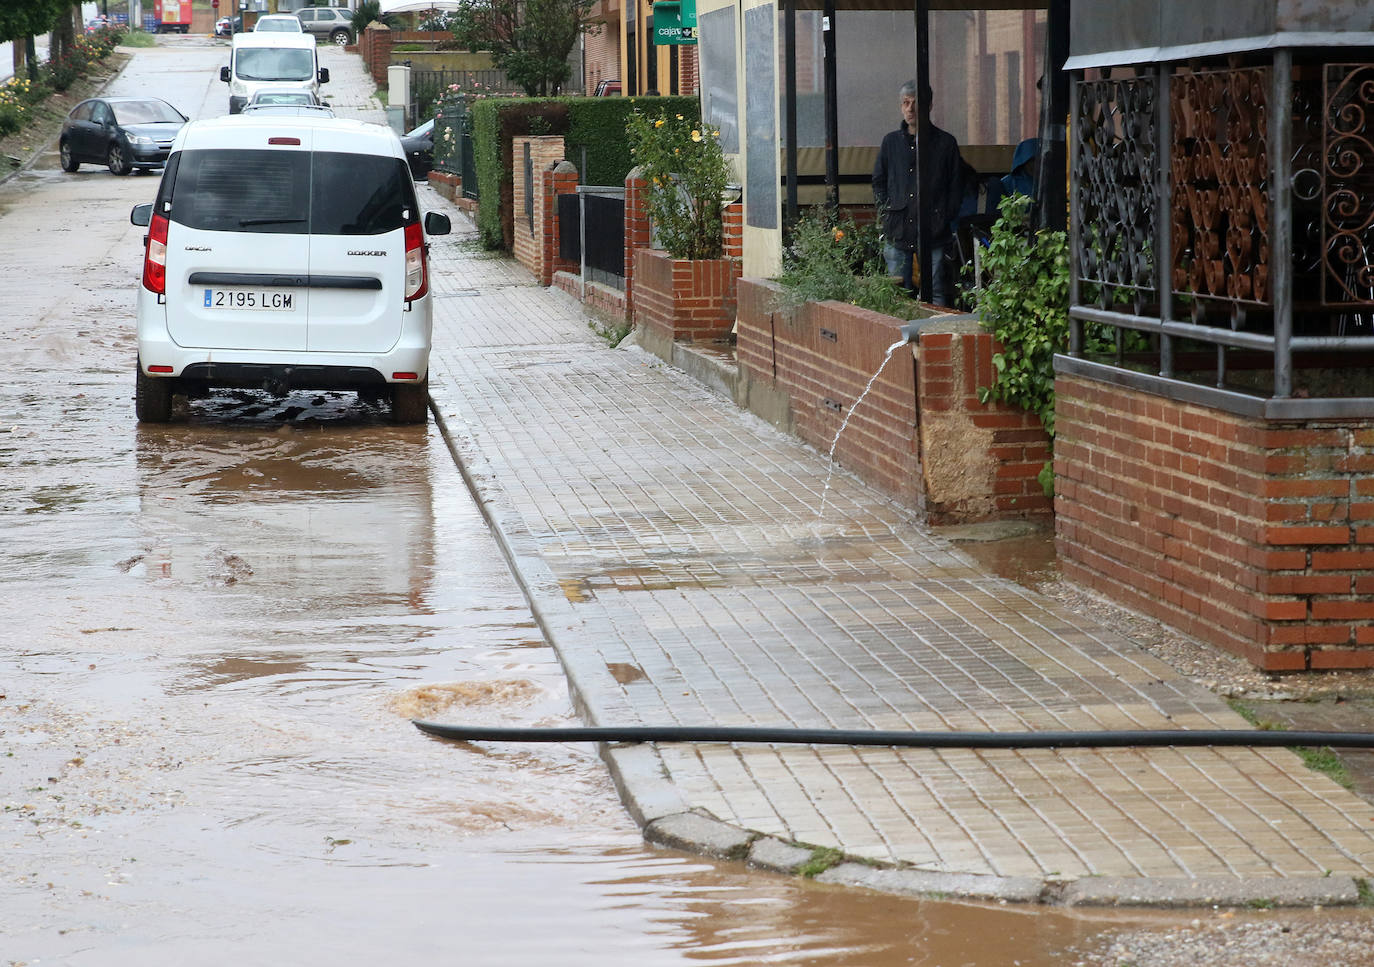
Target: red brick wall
(601,300)
(981,460)
(684,300)
(1256,536)
(920,434)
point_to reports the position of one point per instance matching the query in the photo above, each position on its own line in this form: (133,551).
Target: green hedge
(596,123)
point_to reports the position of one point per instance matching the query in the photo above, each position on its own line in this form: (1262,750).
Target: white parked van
(271,59)
(285,253)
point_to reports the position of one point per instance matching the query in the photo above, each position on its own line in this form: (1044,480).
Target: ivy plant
(1025,305)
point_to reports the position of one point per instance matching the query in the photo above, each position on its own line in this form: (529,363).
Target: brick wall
(601,56)
(684,300)
(536,248)
(920,434)
(1256,536)
(981,461)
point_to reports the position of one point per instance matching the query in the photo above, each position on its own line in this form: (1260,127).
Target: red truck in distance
(173,16)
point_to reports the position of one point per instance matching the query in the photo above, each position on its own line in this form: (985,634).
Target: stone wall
(1256,536)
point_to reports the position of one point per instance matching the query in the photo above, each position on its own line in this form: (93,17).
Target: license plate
(273,301)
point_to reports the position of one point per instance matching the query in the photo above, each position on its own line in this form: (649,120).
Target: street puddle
(427,701)
(625,673)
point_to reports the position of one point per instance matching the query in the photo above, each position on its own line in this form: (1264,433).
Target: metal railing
(1222,219)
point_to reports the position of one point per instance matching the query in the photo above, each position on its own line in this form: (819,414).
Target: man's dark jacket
(894,187)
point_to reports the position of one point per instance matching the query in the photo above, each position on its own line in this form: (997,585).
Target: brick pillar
(636,230)
(561,180)
(733,219)
(376,49)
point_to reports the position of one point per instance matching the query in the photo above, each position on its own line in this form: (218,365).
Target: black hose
(1243,738)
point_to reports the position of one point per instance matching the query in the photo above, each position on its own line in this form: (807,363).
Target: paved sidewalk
(675,549)
(694,566)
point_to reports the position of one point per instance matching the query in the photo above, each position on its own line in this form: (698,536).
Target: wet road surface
(214,636)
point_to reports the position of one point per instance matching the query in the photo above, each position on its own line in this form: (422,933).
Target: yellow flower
(696,135)
(838,234)
(715,134)
(679,117)
(658,123)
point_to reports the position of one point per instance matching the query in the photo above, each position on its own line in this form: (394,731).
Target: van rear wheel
(410,402)
(152,398)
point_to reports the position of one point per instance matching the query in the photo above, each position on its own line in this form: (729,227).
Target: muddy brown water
(213,637)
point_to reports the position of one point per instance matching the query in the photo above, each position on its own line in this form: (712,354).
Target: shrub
(12,117)
(830,257)
(597,124)
(63,72)
(682,162)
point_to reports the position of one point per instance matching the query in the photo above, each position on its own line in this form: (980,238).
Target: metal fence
(428,88)
(591,232)
(453,151)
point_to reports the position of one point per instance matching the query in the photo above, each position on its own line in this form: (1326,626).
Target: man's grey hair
(909,90)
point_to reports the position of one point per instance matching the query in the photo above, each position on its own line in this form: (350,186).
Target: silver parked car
(332,22)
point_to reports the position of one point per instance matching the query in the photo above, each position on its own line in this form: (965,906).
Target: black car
(419,148)
(122,132)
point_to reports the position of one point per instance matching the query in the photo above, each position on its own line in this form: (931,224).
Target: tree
(369,11)
(20,20)
(529,39)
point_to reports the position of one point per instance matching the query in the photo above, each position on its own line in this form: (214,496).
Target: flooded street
(214,637)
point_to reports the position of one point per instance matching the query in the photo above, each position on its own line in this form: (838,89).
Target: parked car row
(332,23)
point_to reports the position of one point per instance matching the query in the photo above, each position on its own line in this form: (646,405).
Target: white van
(271,59)
(285,253)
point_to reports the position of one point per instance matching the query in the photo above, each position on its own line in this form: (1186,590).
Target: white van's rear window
(288,192)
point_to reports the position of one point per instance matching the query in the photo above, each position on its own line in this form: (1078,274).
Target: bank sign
(675,22)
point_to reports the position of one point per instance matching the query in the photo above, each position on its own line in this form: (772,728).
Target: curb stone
(1213,891)
(775,856)
(696,833)
(1017,889)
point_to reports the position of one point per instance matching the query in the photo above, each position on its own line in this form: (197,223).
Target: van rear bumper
(280,378)
(278,369)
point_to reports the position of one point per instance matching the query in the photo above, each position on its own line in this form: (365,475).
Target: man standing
(903,224)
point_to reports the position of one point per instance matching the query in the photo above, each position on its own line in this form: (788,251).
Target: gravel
(1336,937)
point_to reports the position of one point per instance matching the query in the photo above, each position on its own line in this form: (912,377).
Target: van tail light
(417,269)
(155,256)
